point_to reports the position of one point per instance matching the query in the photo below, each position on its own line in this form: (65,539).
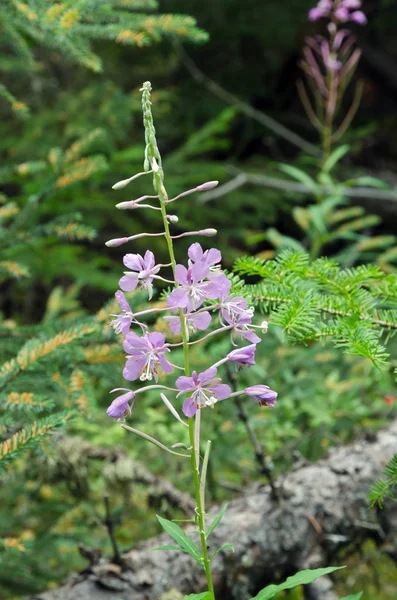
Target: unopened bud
(126,205)
(116,242)
(208,232)
(155,165)
(121,184)
(172,218)
(206,187)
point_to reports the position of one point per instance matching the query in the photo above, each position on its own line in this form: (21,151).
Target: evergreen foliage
(385,488)
(70,27)
(318,300)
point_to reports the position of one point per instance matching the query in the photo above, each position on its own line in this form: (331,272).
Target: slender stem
(108,521)
(194,440)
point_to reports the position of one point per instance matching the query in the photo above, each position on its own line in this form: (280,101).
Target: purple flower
(195,322)
(142,271)
(229,305)
(351,4)
(358,17)
(243,356)
(262,394)
(193,290)
(208,258)
(145,355)
(123,321)
(315,14)
(240,324)
(342,14)
(205,390)
(121,405)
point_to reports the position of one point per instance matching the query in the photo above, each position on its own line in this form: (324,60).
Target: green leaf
(181,538)
(166,548)
(216,521)
(202,596)
(301,578)
(224,547)
(335,157)
(353,597)
(300,176)
(368,181)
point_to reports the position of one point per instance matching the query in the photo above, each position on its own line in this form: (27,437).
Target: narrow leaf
(202,596)
(224,547)
(181,538)
(353,597)
(301,578)
(335,157)
(216,521)
(368,181)
(167,548)
(300,175)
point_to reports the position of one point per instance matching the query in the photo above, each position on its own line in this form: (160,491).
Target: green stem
(160,189)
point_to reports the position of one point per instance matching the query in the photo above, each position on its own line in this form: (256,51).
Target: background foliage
(71,126)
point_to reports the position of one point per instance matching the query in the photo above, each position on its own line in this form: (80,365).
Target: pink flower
(205,390)
(195,322)
(121,405)
(262,394)
(145,356)
(122,322)
(243,356)
(358,17)
(142,271)
(208,258)
(240,326)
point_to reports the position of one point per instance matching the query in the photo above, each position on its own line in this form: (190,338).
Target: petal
(177,299)
(201,321)
(207,375)
(195,252)
(134,262)
(189,407)
(149,259)
(117,409)
(156,338)
(165,365)
(125,324)
(251,337)
(181,274)
(175,324)
(199,272)
(133,368)
(220,391)
(121,299)
(213,256)
(184,383)
(128,283)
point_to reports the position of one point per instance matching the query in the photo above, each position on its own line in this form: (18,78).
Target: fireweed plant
(201,293)
(331,96)
(329,64)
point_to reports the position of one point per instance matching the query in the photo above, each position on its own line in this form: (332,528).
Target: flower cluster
(201,290)
(339,11)
(201,300)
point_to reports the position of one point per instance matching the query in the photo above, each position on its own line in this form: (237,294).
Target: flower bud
(155,166)
(172,218)
(126,205)
(206,187)
(208,232)
(121,184)
(116,242)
